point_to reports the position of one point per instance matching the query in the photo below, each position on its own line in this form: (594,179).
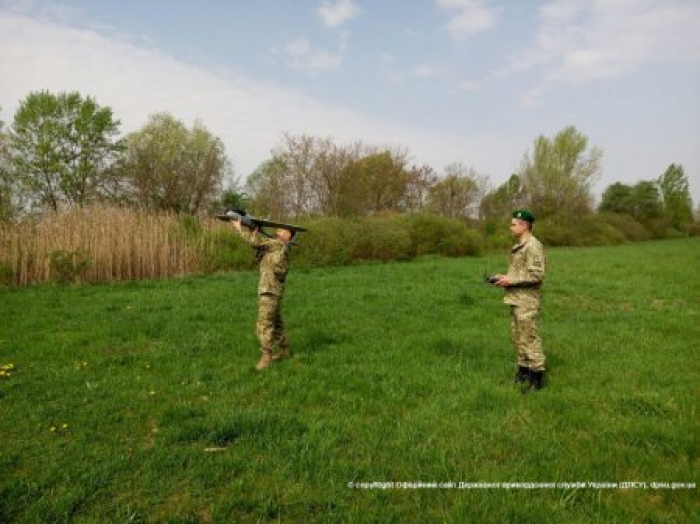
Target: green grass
(402,373)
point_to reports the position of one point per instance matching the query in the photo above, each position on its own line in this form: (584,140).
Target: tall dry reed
(98,243)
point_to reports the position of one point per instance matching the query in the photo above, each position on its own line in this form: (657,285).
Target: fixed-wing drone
(252,222)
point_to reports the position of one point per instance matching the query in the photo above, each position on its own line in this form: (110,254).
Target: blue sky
(470,81)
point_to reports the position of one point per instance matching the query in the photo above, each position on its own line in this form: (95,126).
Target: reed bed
(97,244)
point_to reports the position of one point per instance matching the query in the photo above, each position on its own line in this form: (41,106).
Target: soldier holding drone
(272,253)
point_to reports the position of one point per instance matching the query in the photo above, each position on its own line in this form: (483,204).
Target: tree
(233,198)
(63,147)
(332,185)
(458,194)
(421,180)
(385,181)
(267,187)
(559,176)
(172,168)
(641,201)
(298,154)
(499,204)
(645,201)
(617,198)
(312,175)
(7,182)
(675,194)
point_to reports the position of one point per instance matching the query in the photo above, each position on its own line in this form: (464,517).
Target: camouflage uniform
(273,256)
(526,271)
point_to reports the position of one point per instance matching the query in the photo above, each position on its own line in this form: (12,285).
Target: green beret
(524,214)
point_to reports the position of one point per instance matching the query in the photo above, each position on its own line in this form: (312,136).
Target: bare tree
(312,175)
(459,193)
(8,189)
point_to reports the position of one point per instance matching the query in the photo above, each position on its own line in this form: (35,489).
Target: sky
(448,81)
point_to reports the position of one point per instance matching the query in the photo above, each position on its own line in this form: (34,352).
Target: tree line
(64,150)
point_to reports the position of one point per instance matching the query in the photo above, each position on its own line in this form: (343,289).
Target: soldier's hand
(503,280)
(236,224)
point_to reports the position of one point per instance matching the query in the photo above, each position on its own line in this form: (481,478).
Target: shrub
(328,242)
(69,266)
(553,233)
(630,228)
(661,228)
(461,241)
(436,235)
(223,250)
(426,231)
(383,239)
(693,229)
(581,230)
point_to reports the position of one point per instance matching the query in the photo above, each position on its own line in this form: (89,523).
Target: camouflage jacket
(273,256)
(526,271)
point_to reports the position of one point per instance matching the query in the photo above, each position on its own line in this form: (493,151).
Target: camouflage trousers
(525,336)
(270,327)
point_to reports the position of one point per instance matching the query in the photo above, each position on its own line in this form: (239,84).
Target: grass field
(138,402)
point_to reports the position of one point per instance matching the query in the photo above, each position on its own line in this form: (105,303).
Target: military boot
(284,354)
(522,375)
(265,360)
(536,381)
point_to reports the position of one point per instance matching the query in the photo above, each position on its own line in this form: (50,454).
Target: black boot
(522,375)
(536,379)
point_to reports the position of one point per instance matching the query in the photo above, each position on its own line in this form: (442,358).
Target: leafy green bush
(328,242)
(434,234)
(499,241)
(577,231)
(426,232)
(554,233)
(224,250)
(597,232)
(332,241)
(627,225)
(383,239)
(693,229)
(68,266)
(460,242)
(661,228)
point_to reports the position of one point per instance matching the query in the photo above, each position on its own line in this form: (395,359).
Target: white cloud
(300,55)
(334,15)
(469,17)
(136,79)
(589,40)
(249,116)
